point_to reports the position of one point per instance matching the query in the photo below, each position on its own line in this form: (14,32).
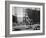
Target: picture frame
(34,11)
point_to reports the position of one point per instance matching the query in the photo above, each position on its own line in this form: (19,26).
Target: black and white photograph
(24,18)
